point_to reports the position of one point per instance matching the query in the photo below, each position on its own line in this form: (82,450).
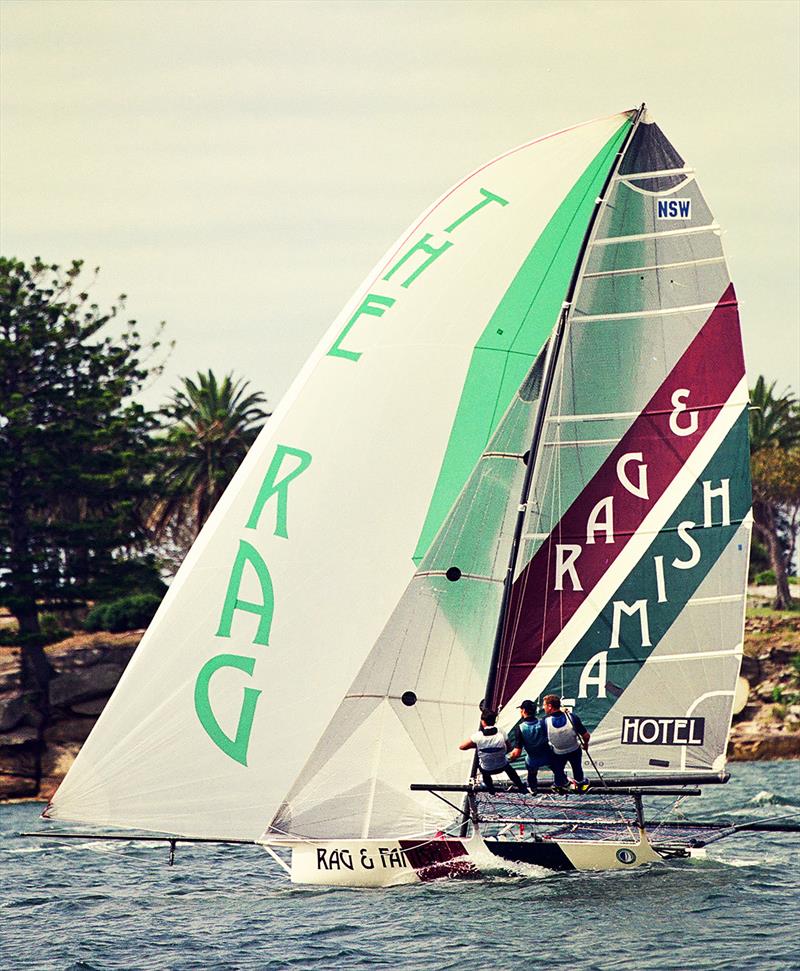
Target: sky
(237,168)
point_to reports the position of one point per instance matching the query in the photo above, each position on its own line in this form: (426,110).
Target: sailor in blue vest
(492,746)
(566,736)
(531,736)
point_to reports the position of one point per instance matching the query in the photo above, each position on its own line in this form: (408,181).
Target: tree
(775,468)
(210,427)
(74,447)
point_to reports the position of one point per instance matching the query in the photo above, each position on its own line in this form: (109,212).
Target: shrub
(124,578)
(12,638)
(759,560)
(52,628)
(128,613)
(767,577)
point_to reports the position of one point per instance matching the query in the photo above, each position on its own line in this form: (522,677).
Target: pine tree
(74,447)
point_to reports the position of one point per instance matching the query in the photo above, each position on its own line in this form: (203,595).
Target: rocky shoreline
(37,750)
(768,727)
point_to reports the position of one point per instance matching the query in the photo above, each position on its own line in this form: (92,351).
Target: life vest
(561,740)
(491,749)
(534,738)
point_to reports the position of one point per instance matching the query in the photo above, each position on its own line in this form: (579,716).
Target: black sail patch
(652,730)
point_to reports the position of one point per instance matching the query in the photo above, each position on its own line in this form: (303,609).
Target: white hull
(391,863)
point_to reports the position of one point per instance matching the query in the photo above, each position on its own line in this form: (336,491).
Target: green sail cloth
(515,334)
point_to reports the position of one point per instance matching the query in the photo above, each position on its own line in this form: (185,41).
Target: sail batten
(658,234)
(633,176)
(627,271)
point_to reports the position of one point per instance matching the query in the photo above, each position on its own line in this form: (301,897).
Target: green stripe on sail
(514,336)
(730,462)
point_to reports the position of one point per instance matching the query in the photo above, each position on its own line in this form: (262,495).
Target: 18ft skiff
(517,463)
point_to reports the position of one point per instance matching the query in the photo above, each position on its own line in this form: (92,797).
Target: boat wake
(767,798)
(495,869)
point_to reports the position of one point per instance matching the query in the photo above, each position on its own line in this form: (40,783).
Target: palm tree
(774,440)
(210,426)
(774,420)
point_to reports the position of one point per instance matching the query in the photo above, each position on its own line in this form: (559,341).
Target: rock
(751,669)
(767,717)
(58,757)
(17,786)
(765,690)
(10,668)
(47,786)
(18,760)
(93,707)
(20,736)
(86,670)
(12,710)
(88,650)
(76,686)
(780,745)
(33,717)
(68,730)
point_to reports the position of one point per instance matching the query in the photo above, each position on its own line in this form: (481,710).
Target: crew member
(492,746)
(567,737)
(532,737)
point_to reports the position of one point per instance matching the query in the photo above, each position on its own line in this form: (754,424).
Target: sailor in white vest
(566,736)
(492,746)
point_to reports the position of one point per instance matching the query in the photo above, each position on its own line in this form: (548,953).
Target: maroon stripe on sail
(710,368)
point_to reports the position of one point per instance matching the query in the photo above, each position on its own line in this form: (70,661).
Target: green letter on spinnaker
(248,554)
(234,748)
(272,486)
(375,306)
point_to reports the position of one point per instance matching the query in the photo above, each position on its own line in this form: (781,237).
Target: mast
(553,352)
(551,360)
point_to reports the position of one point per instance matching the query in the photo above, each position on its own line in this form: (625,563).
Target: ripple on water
(118,907)
(26,902)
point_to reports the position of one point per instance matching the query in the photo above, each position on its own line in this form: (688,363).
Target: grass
(793,611)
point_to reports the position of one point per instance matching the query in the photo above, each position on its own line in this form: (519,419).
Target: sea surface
(92,906)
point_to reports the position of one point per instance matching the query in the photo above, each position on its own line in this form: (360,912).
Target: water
(90,906)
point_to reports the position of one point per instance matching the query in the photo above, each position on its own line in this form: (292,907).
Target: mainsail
(307,577)
(629,595)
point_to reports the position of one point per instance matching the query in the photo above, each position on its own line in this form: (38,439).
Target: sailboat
(517,463)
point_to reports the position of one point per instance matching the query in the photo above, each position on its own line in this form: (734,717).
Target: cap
(528,705)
